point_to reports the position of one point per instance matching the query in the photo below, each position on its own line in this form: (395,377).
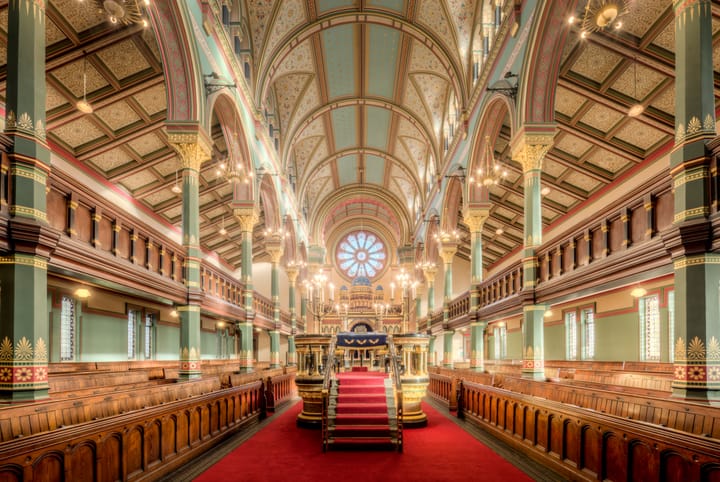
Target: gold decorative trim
(691,213)
(697,351)
(36,175)
(27,212)
(23,350)
(696,260)
(25,260)
(188,309)
(691,175)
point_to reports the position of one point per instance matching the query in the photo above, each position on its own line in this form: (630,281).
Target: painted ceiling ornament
(361,254)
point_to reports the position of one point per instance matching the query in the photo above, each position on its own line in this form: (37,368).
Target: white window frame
(650,327)
(588,333)
(571,335)
(68,328)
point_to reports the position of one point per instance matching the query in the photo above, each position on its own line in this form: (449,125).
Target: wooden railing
(588,445)
(137,445)
(443,389)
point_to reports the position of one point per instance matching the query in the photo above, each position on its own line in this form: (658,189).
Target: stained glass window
(361,254)
(588,320)
(500,339)
(67,329)
(149,342)
(132,333)
(650,328)
(571,335)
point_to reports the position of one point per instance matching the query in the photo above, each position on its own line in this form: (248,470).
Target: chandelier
(490,171)
(124,12)
(600,15)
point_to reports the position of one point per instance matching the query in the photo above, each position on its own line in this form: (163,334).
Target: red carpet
(440,452)
(361,412)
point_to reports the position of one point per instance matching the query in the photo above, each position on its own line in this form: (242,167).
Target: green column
(447,349)
(274,247)
(292,274)
(429,270)
(448,248)
(274,348)
(191,155)
(529,148)
(247,217)
(24,327)
(697,268)
(477,346)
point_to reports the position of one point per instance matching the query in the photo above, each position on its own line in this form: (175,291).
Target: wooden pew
(585,444)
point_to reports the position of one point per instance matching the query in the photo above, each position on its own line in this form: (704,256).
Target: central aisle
(439,452)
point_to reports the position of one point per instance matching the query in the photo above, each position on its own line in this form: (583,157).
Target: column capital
(275,248)
(247,217)
(429,272)
(447,251)
(475,218)
(292,274)
(530,149)
(193,150)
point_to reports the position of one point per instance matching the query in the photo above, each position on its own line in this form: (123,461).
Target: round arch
(299,35)
(270,204)
(491,119)
(357,101)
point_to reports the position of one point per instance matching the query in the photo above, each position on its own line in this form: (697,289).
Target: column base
(23,396)
(710,397)
(534,375)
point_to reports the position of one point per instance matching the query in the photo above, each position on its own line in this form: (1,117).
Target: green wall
(167,346)
(554,340)
(102,338)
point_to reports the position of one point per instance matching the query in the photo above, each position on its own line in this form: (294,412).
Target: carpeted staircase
(361,412)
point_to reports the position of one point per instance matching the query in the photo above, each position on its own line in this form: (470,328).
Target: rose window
(361,254)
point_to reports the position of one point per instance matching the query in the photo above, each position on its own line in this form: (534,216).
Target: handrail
(398,390)
(327,378)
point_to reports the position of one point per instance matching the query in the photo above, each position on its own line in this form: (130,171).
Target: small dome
(361,281)
(343,288)
(378,288)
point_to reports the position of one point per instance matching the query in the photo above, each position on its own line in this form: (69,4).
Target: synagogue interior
(365,220)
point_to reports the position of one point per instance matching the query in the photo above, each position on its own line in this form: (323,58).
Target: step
(365,442)
(361,419)
(361,390)
(361,408)
(361,398)
(360,431)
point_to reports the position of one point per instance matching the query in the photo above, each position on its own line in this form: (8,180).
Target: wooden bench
(24,420)
(585,444)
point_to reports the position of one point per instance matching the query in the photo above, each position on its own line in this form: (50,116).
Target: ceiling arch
(316,167)
(416,31)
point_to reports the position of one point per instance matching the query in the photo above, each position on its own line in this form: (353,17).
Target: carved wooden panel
(105,234)
(642,462)
(56,206)
(82,463)
(664,211)
(616,235)
(597,243)
(638,224)
(140,257)
(124,244)
(153,444)
(110,458)
(571,437)
(83,223)
(614,459)
(134,442)
(556,436)
(49,468)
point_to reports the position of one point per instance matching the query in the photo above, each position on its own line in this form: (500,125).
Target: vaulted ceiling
(363,96)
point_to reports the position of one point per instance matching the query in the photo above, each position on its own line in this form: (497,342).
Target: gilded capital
(192,150)
(292,274)
(247,217)
(430,271)
(275,248)
(447,251)
(475,218)
(530,150)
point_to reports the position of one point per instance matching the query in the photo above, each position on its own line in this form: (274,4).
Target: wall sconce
(638,292)
(82,293)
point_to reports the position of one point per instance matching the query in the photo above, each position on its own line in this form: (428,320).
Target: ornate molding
(247,217)
(191,149)
(530,150)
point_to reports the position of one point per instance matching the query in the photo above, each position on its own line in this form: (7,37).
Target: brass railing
(327,385)
(395,370)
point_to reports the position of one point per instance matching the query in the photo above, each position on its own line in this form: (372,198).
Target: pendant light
(223,231)
(637,108)
(83,105)
(176,188)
